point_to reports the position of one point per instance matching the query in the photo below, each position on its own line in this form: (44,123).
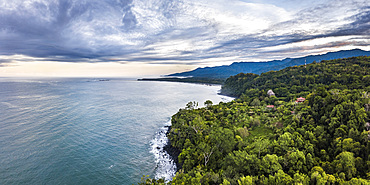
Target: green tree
(248,180)
(345,162)
(260,145)
(191,105)
(208,103)
(256,102)
(270,164)
(280,178)
(296,160)
(286,141)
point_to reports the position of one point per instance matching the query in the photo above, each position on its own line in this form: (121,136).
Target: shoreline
(202,81)
(172,151)
(191,81)
(227,95)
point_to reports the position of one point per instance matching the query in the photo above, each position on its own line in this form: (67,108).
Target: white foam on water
(166,167)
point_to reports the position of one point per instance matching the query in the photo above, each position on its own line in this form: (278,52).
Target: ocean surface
(89,131)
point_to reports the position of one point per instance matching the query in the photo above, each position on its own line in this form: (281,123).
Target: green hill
(223,72)
(350,73)
(324,139)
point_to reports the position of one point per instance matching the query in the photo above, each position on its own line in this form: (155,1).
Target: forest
(307,124)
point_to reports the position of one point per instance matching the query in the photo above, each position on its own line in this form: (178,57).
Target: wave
(166,167)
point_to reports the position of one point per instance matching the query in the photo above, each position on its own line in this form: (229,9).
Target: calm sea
(89,131)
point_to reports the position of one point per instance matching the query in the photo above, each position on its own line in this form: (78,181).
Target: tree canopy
(323,140)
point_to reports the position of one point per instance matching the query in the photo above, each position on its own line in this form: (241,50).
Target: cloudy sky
(153,37)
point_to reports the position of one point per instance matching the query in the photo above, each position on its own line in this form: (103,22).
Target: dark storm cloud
(37,29)
(360,25)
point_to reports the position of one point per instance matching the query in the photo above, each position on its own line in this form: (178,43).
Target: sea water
(89,131)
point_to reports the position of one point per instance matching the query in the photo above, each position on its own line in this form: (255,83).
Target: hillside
(350,73)
(260,67)
(261,138)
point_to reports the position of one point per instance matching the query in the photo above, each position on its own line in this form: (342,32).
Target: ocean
(89,131)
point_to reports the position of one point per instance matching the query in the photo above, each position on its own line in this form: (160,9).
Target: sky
(126,38)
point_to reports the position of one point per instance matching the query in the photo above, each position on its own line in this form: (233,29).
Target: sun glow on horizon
(108,69)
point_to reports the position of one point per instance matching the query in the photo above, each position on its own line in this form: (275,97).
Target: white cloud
(196,32)
(317,46)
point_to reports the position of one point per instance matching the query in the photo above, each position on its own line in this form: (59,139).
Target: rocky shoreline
(172,151)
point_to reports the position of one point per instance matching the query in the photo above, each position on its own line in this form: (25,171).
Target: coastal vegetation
(307,124)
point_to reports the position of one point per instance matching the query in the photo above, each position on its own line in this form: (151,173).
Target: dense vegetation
(350,73)
(323,140)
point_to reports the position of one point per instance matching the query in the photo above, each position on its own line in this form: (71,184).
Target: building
(300,100)
(270,93)
(270,107)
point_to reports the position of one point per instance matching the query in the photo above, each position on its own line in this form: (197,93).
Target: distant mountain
(261,67)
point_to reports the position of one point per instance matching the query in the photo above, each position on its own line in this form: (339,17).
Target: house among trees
(367,126)
(270,93)
(270,107)
(300,100)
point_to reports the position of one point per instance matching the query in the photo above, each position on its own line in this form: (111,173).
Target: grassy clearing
(260,131)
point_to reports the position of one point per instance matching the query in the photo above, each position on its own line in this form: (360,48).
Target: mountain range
(225,71)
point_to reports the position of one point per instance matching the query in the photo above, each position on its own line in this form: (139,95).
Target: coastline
(203,81)
(227,95)
(168,155)
(192,80)
(172,151)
